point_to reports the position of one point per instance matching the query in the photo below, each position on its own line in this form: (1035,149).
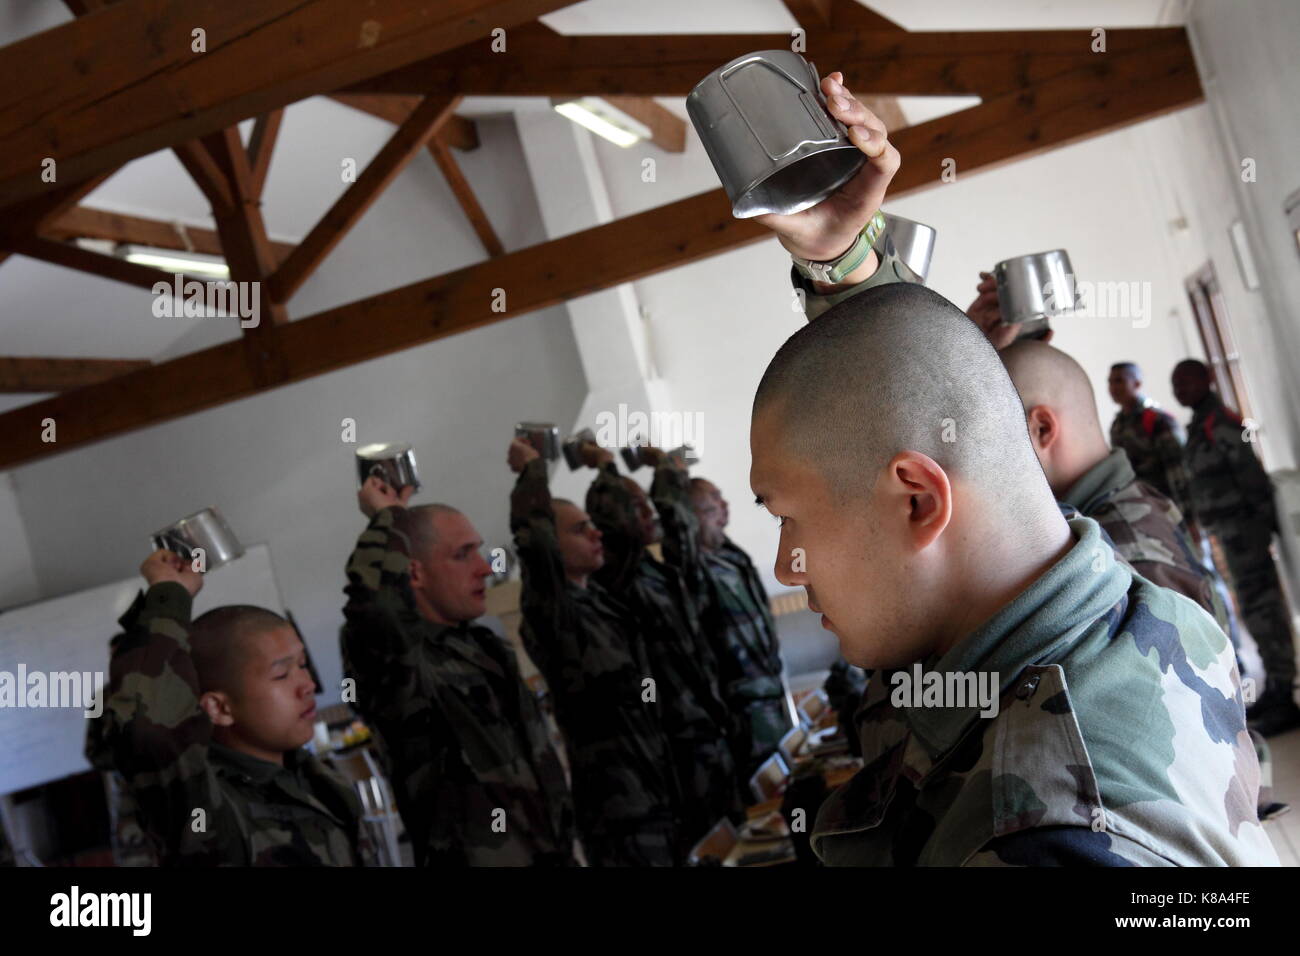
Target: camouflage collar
(251,768)
(1035,628)
(1102,479)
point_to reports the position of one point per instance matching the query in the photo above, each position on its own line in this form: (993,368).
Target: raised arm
(381,620)
(547,607)
(613,511)
(153,730)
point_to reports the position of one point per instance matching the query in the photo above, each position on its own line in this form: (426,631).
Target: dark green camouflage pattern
(694,716)
(737,621)
(1154,442)
(589,647)
(476,778)
(1120,739)
(1147,530)
(153,733)
(1234,499)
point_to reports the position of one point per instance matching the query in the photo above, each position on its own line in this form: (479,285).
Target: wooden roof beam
(19,375)
(88,223)
(876,62)
(125,81)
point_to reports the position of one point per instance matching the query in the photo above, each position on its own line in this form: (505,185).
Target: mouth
(826,623)
(308,713)
(480,592)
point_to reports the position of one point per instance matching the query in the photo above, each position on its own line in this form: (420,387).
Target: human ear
(216,704)
(1044,427)
(928,494)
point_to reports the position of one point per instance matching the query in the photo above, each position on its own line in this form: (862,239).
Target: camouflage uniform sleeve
(1064,846)
(681,544)
(1169,442)
(612,509)
(381,620)
(153,731)
(548,610)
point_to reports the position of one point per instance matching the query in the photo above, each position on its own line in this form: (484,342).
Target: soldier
(936,553)
(1151,436)
(477,780)
(1145,527)
(695,717)
(735,614)
(588,646)
(1233,498)
(204,721)
(930,540)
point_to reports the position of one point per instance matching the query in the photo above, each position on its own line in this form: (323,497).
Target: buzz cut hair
(221,642)
(1132,368)
(421,526)
(897,368)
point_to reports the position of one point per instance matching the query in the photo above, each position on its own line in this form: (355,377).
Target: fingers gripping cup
(764,123)
(1035,288)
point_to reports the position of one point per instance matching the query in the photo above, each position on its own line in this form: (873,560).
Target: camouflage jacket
(736,617)
(695,717)
(1229,485)
(589,648)
(476,778)
(203,804)
(1146,530)
(1120,739)
(1154,442)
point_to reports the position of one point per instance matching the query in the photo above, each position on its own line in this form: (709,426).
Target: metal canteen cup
(1033,288)
(573,443)
(913,242)
(393,462)
(204,529)
(764,124)
(543,436)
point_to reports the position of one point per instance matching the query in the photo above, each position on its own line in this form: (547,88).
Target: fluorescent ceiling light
(603,120)
(186,263)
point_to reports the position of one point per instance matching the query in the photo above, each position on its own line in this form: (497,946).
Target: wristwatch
(836,269)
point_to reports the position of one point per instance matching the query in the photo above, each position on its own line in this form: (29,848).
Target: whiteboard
(71,633)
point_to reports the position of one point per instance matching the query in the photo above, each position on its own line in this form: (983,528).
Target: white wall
(1248,60)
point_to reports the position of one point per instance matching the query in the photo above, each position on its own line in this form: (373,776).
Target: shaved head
(1047,376)
(889,443)
(897,367)
(424,525)
(1061,412)
(221,642)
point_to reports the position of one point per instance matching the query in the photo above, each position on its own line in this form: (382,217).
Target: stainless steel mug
(543,436)
(1033,288)
(913,241)
(204,529)
(394,462)
(573,443)
(764,123)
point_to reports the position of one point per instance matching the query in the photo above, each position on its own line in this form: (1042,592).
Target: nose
(784,570)
(483,569)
